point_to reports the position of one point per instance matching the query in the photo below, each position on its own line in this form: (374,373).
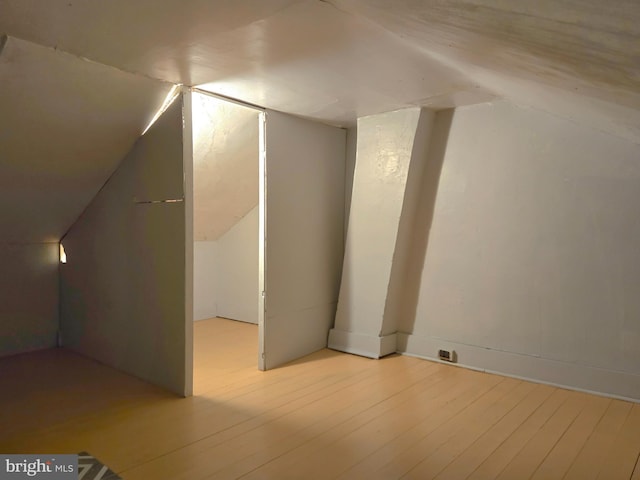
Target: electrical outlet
(447,355)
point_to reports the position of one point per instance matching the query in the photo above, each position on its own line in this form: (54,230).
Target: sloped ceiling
(225,165)
(577,59)
(587,46)
(335,60)
(65,124)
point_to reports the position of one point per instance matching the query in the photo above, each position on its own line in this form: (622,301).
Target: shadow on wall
(424,217)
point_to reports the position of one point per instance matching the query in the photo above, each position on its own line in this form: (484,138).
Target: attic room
(321,238)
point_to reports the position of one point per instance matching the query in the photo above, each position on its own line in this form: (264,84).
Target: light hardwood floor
(329,415)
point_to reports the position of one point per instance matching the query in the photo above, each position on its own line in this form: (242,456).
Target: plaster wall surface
(205,284)
(237,270)
(28,297)
(226,273)
(531,264)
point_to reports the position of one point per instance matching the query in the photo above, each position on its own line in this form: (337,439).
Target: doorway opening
(228,232)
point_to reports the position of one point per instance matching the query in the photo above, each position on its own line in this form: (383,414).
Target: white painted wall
(226,273)
(305,169)
(123,289)
(237,270)
(28,297)
(532,264)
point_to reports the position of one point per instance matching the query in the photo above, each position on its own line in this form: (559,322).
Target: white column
(391,153)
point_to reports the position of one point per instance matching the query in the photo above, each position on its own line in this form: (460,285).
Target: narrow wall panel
(123,288)
(304,234)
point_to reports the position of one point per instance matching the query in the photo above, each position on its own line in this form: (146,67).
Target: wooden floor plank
(404,451)
(425,447)
(559,460)
(302,444)
(497,460)
(464,465)
(426,421)
(588,462)
(339,448)
(225,418)
(525,463)
(437,460)
(240,442)
(328,415)
(288,463)
(621,461)
(636,471)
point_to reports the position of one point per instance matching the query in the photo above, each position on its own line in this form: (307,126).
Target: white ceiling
(335,60)
(330,60)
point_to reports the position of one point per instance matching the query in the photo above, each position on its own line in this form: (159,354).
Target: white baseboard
(611,383)
(361,344)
